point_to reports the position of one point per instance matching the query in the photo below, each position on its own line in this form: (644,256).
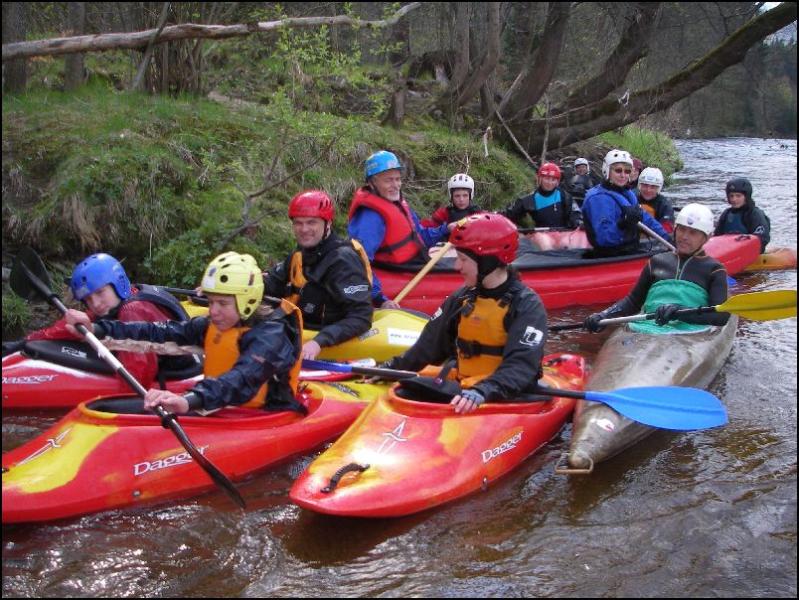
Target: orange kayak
(403,456)
(774,259)
(92,461)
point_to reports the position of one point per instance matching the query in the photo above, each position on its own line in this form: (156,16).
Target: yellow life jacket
(481,339)
(222,351)
(297,278)
(648,208)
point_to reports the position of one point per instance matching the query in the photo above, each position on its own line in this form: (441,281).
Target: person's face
(308,231)
(388,184)
(102,301)
(688,240)
(582,169)
(461,198)
(634,174)
(736,199)
(548,183)
(467,268)
(222,311)
(648,191)
(620,173)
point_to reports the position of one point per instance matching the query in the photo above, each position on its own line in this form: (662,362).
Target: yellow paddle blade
(762,306)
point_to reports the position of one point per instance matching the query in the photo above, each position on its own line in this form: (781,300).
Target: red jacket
(143,366)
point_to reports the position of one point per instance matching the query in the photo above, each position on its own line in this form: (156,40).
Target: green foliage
(16,315)
(654,148)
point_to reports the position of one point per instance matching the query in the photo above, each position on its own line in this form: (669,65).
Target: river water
(709,513)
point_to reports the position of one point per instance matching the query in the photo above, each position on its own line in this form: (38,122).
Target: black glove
(630,217)
(591,323)
(665,313)
(11,347)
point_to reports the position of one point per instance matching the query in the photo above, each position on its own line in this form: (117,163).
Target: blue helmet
(96,271)
(381,161)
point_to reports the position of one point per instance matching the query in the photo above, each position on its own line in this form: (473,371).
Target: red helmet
(549,170)
(487,234)
(311,203)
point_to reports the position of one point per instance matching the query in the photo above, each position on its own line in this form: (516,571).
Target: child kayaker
(100,282)
(494,327)
(252,351)
(743,216)
(650,183)
(461,202)
(327,278)
(550,205)
(670,281)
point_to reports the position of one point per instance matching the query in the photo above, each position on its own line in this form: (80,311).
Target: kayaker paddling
(493,328)
(100,282)
(327,278)
(383,222)
(252,350)
(743,216)
(550,205)
(671,281)
(461,202)
(611,211)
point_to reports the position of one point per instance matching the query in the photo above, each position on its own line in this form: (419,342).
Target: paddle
(663,407)
(418,277)
(28,279)
(655,236)
(757,306)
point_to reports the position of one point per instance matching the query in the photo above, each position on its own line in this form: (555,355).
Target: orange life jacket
(297,278)
(401,243)
(481,339)
(222,351)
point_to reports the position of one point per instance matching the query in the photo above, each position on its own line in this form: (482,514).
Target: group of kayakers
(489,335)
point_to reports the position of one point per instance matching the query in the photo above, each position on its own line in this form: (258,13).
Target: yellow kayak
(392,332)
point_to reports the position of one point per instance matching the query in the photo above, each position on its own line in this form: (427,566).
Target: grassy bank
(165,184)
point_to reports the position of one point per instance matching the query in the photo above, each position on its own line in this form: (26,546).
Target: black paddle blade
(19,280)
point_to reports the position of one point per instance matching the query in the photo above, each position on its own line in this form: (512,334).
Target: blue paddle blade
(323,365)
(731,282)
(678,408)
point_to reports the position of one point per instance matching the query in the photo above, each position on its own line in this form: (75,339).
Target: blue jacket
(602,210)
(367,227)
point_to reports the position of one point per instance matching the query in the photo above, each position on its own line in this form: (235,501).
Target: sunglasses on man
(618,170)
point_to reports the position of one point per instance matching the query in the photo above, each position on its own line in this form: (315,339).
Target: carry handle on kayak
(26,265)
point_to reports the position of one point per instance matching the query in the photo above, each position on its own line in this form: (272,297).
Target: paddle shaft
(430,264)
(389,374)
(654,235)
(167,420)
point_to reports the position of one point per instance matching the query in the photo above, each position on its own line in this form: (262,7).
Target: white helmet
(651,176)
(696,216)
(613,157)
(581,161)
(461,181)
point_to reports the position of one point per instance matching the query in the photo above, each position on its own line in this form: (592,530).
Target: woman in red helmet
(494,327)
(328,278)
(549,205)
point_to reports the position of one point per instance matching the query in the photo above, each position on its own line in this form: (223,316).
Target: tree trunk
(539,65)
(610,114)
(73,63)
(489,61)
(632,47)
(15,28)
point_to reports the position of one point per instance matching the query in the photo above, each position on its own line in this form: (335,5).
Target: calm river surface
(708,513)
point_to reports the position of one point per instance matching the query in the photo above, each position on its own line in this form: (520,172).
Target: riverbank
(167,183)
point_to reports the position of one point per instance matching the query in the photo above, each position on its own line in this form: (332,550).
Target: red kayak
(403,456)
(561,277)
(62,373)
(91,460)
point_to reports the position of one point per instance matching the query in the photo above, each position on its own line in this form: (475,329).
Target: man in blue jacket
(611,212)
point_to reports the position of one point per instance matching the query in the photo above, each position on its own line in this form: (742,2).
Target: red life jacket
(401,244)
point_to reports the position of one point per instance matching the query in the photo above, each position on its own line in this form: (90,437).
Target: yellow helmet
(237,275)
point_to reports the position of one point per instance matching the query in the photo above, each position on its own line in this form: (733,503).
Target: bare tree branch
(140,39)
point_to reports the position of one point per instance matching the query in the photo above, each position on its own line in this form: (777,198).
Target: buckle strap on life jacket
(470,348)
